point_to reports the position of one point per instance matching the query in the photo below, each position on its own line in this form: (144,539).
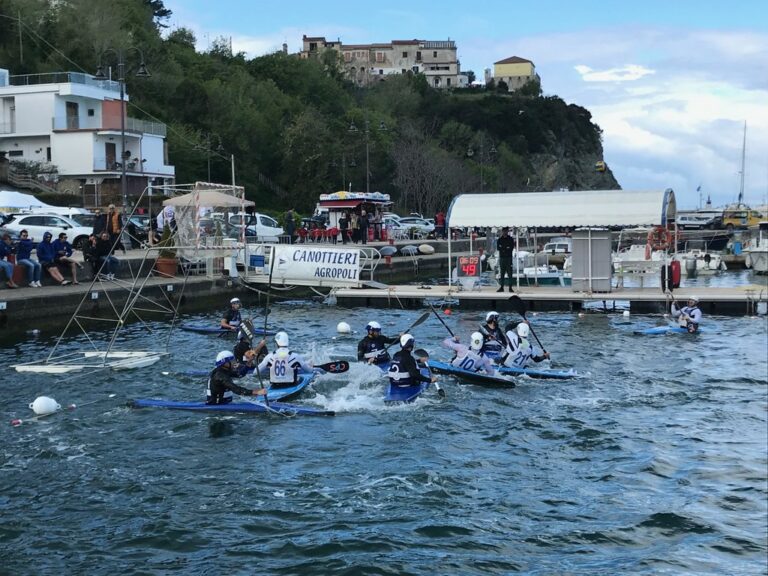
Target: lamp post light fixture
(141,72)
(367,132)
(491,153)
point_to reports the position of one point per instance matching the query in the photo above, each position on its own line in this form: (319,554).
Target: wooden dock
(735,301)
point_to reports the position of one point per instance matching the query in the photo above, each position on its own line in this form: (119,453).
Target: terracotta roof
(514,60)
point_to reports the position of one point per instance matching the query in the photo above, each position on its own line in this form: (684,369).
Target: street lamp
(367,131)
(491,153)
(142,72)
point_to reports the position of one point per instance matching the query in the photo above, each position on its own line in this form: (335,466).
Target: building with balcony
(73,121)
(368,63)
(516,72)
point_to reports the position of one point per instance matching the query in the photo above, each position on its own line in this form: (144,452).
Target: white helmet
(694,299)
(406,340)
(492,316)
(223,357)
(523,330)
(476,341)
(281,339)
(235,301)
(373,325)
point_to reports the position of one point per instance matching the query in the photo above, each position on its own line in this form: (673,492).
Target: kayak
(281,392)
(535,373)
(208,329)
(232,407)
(479,378)
(670,329)
(405,393)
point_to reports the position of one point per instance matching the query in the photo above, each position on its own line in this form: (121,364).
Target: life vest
(283,367)
(470,362)
(398,376)
(374,348)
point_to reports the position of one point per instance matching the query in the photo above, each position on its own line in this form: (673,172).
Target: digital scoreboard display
(468,266)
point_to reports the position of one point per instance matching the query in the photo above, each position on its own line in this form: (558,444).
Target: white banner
(316,265)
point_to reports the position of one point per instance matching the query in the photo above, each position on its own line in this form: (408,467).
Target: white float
(44,405)
(426,249)
(343,328)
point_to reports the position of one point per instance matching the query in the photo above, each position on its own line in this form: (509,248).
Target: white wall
(73,152)
(34,113)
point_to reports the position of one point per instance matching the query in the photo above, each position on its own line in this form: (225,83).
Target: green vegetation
(287,120)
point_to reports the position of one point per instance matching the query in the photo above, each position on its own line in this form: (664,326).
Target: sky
(671,83)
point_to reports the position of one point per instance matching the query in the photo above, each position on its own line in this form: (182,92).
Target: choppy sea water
(653,461)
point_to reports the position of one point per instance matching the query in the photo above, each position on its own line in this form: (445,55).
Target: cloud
(624,74)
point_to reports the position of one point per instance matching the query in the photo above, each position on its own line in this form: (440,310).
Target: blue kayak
(535,373)
(405,393)
(282,392)
(480,378)
(669,329)
(232,407)
(208,329)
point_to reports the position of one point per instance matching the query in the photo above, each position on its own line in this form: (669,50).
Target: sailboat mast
(743,163)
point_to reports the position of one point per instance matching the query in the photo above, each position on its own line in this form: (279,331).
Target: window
(405,54)
(347,56)
(448,82)
(434,54)
(381,71)
(15,152)
(403,71)
(418,56)
(379,57)
(32,221)
(48,153)
(437,81)
(91,112)
(415,69)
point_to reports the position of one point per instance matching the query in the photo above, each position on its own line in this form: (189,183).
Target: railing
(27,181)
(113,165)
(131,125)
(64,78)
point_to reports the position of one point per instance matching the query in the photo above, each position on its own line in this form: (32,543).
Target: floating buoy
(581,314)
(343,328)
(44,405)
(388,250)
(34,332)
(447,312)
(625,313)
(426,249)
(409,250)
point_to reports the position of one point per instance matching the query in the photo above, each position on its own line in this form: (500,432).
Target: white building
(73,121)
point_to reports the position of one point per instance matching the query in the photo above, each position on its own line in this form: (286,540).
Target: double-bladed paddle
(442,321)
(519,306)
(336,367)
(423,356)
(421,319)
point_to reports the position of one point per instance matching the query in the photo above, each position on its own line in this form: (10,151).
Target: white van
(558,246)
(264,228)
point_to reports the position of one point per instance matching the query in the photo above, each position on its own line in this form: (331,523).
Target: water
(653,461)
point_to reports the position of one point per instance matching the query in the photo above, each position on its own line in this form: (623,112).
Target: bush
(166,244)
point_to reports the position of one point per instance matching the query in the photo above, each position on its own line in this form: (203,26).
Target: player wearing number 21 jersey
(284,365)
(470,357)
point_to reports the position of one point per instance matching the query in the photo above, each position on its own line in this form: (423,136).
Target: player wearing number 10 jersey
(284,365)
(470,358)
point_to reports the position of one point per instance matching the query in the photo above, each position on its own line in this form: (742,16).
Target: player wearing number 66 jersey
(470,357)
(283,364)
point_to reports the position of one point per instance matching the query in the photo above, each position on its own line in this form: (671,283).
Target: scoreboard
(468,267)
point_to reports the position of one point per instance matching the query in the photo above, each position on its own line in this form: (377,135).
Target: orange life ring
(659,238)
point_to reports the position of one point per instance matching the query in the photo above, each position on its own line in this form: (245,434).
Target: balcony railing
(113,165)
(86,123)
(63,78)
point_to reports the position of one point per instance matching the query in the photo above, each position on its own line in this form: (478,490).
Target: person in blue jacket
(63,257)
(24,256)
(7,249)
(46,254)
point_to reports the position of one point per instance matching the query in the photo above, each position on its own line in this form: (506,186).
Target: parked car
(262,227)
(695,221)
(563,246)
(39,224)
(138,228)
(85,220)
(735,218)
(420,224)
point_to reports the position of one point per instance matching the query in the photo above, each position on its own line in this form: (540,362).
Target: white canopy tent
(187,210)
(13,201)
(571,209)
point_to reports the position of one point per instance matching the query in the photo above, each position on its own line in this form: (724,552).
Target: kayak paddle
(423,356)
(334,367)
(518,305)
(442,321)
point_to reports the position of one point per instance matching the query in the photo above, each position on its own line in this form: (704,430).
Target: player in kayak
(688,317)
(519,350)
(373,347)
(220,384)
(232,318)
(470,358)
(404,370)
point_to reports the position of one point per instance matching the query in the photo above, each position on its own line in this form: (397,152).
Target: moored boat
(213,329)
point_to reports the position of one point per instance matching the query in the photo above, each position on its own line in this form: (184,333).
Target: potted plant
(166,263)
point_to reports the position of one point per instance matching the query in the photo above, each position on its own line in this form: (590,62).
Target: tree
(502,87)
(470,76)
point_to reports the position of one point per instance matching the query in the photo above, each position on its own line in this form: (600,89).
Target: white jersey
(519,351)
(685,313)
(468,359)
(284,366)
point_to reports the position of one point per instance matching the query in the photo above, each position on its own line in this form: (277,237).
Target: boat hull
(231,408)
(535,373)
(656,330)
(208,329)
(478,378)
